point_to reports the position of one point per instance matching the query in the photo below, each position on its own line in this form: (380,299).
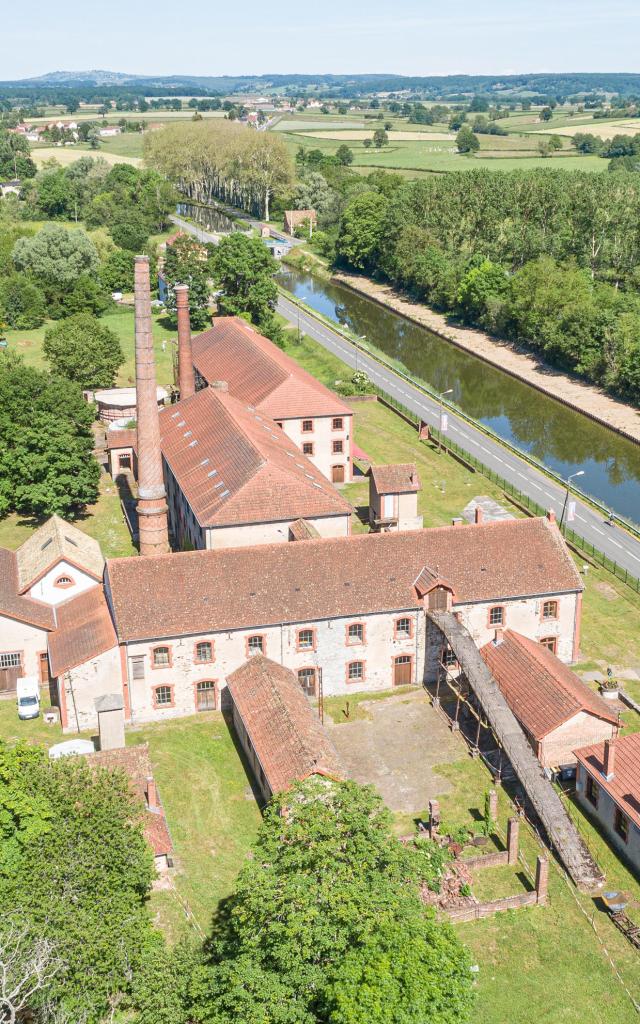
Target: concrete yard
(396,747)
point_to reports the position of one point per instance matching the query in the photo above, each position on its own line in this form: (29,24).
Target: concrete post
(434,818)
(513,831)
(542,879)
(493,805)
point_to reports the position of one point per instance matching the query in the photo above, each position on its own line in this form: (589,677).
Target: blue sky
(418,37)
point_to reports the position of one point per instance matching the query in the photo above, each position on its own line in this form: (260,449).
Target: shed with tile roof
(557,711)
(278,728)
(393,497)
(608,787)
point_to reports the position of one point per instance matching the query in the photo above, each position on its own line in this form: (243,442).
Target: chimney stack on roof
(609,759)
(498,637)
(551,515)
(152,505)
(186,376)
(219,385)
(456,521)
(479,515)
(152,793)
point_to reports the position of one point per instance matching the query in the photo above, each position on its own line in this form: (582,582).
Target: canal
(208,217)
(561,438)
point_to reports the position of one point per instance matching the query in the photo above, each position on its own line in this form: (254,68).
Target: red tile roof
(395,479)
(135,762)
(260,373)
(624,787)
(542,692)
(12,604)
(285,732)
(235,465)
(84,630)
(125,438)
(302,530)
(232,588)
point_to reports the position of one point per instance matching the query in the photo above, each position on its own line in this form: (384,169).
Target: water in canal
(563,439)
(208,217)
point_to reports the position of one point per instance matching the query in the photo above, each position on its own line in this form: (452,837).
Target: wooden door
(337,474)
(10,670)
(206,696)
(402,670)
(44,668)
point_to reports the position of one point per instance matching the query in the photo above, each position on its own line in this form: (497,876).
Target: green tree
(77,875)
(546,114)
(47,464)
(84,350)
(116,272)
(56,257)
(481,293)
(244,269)
(186,262)
(344,155)
(361,230)
(315,915)
(467,141)
(132,232)
(22,303)
(380,138)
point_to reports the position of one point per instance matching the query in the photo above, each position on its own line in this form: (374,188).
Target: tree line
(216,159)
(550,259)
(325,924)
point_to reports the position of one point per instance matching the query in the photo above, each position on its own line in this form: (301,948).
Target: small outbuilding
(119,403)
(278,728)
(557,711)
(393,497)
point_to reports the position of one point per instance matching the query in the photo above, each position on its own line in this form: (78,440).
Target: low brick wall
(480,910)
(490,860)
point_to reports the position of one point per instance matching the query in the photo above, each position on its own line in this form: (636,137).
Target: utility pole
(566,497)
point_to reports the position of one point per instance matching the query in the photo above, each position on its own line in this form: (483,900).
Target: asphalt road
(613,541)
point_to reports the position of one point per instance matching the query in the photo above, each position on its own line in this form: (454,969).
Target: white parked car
(28,692)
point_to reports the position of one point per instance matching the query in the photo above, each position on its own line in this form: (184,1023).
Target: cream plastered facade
(79,688)
(321,436)
(29,641)
(48,590)
(403,507)
(557,749)
(330,651)
(187,532)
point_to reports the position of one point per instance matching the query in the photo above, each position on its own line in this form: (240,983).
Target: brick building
(557,711)
(608,787)
(353,608)
(259,374)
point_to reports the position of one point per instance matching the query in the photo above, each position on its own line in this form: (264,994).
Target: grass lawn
(120,320)
(127,144)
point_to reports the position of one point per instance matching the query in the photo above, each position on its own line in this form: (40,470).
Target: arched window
(63,582)
(161,657)
(204,651)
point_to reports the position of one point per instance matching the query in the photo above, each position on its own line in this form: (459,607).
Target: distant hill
(558,85)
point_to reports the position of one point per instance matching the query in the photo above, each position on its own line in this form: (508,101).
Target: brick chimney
(479,515)
(152,793)
(551,516)
(456,521)
(152,505)
(219,385)
(609,759)
(186,376)
(498,637)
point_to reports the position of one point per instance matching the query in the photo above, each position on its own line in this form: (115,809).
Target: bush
(22,303)
(84,350)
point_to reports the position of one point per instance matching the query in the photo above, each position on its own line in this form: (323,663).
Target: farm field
(129,144)
(116,115)
(66,155)
(349,135)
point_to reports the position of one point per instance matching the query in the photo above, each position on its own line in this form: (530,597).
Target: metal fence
(532,507)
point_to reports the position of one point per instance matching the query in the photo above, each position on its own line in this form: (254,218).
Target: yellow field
(66,155)
(602,131)
(358,136)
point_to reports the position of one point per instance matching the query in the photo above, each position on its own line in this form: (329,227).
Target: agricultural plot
(349,135)
(66,155)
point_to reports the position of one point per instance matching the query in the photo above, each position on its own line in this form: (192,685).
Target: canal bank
(584,398)
(530,419)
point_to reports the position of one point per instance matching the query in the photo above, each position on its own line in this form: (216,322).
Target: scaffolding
(473,685)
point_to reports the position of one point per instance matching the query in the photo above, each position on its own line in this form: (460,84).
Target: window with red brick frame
(496,615)
(203,652)
(355,633)
(550,610)
(403,628)
(307,448)
(163,696)
(337,447)
(355,671)
(161,656)
(256,644)
(306,639)
(550,642)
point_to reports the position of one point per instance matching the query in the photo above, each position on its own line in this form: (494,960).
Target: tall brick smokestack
(186,377)
(152,505)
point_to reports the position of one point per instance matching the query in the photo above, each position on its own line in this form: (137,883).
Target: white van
(28,690)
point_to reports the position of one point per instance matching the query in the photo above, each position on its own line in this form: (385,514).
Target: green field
(127,144)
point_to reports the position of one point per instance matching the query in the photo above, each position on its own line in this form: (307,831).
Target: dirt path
(586,398)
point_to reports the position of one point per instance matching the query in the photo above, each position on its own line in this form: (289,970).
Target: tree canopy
(187,261)
(47,464)
(84,350)
(244,269)
(317,918)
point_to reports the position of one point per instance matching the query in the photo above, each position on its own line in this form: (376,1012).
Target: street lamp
(301,299)
(358,340)
(566,497)
(442,425)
